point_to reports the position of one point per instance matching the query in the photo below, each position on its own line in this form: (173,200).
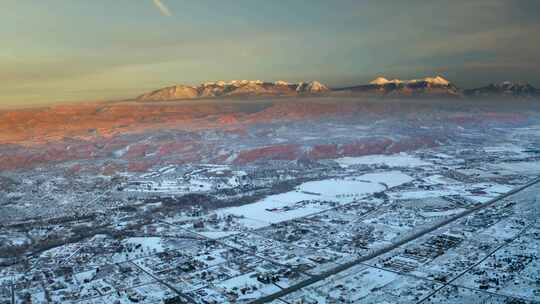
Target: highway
(381,251)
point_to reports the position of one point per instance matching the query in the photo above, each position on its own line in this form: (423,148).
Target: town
(432,225)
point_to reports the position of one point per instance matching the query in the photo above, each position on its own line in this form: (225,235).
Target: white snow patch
(305,200)
(396,160)
(146,242)
(521,167)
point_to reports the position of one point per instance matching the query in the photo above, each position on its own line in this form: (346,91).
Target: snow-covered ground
(148,243)
(305,199)
(395,160)
(532,167)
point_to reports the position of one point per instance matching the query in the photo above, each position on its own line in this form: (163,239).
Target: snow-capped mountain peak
(236,88)
(281,82)
(311,87)
(437,80)
(379,81)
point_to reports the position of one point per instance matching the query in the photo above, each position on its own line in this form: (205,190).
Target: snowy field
(305,199)
(487,192)
(521,167)
(396,160)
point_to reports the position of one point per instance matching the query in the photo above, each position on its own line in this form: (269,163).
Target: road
(185,297)
(389,248)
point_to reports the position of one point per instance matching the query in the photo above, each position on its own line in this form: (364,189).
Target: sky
(71,50)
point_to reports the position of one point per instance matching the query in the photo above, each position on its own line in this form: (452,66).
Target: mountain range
(425,87)
(236,88)
(504,89)
(429,86)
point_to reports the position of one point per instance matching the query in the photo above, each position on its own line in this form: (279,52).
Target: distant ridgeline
(432,86)
(504,89)
(428,87)
(236,88)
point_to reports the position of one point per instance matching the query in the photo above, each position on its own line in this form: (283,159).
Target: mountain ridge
(430,86)
(504,89)
(436,86)
(235,88)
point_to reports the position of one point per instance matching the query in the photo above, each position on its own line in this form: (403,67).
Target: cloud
(162,8)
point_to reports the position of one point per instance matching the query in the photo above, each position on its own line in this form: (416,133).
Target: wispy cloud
(162,8)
